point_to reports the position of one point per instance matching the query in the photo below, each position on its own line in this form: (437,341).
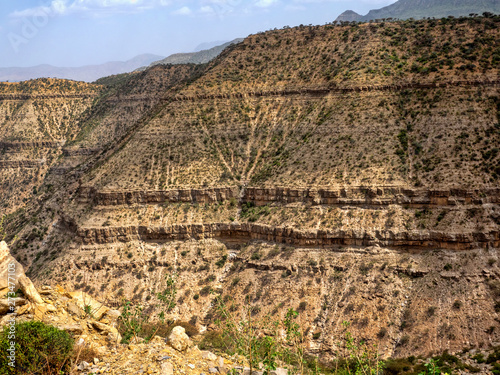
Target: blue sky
(81,32)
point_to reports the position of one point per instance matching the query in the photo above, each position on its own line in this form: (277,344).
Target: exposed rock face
(109,198)
(178,339)
(291,236)
(352,196)
(18,278)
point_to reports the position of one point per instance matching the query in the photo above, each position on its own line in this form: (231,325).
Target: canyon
(347,171)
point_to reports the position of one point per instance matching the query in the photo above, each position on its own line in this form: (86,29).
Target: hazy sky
(80,32)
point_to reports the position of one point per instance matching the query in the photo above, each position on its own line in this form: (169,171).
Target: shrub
(382,333)
(255,256)
(40,348)
(205,291)
(220,263)
(431,310)
(404,340)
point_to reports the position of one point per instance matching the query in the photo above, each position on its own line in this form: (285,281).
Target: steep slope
(405,9)
(36,119)
(288,108)
(350,172)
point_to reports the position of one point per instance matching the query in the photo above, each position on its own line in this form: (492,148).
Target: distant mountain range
(90,73)
(200,57)
(87,73)
(404,9)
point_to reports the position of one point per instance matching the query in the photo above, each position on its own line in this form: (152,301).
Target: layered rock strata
(304,238)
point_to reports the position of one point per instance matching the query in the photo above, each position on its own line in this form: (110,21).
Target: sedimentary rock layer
(306,238)
(322,91)
(370,196)
(109,198)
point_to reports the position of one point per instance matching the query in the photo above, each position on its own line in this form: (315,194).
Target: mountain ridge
(198,57)
(404,9)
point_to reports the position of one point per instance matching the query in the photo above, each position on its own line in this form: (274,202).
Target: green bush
(39,348)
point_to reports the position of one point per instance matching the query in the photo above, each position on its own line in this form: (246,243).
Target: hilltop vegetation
(384,53)
(52,86)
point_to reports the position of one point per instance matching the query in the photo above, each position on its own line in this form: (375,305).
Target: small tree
(361,359)
(133,319)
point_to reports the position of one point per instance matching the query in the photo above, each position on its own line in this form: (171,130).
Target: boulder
(6,304)
(178,339)
(74,310)
(114,336)
(87,303)
(205,354)
(72,328)
(17,273)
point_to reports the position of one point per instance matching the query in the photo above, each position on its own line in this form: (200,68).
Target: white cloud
(295,8)
(207,9)
(265,3)
(184,11)
(64,7)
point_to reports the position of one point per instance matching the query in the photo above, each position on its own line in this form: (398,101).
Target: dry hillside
(350,172)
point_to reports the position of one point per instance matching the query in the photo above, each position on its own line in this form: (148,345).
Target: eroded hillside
(350,172)
(36,119)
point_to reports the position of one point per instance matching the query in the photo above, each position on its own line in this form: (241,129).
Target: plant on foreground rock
(133,319)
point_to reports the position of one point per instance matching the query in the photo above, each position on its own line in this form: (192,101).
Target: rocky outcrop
(323,91)
(372,196)
(12,276)
(46,96)
(375,196)
(304,238)
(110,198)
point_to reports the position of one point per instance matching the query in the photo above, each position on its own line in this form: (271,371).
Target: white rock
(167,368)
(208,355)
(83,365)
(178,339)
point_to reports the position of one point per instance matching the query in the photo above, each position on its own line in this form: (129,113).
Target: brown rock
(72,328)
(6,304)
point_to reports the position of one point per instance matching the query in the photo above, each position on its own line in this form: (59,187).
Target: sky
(81,32)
